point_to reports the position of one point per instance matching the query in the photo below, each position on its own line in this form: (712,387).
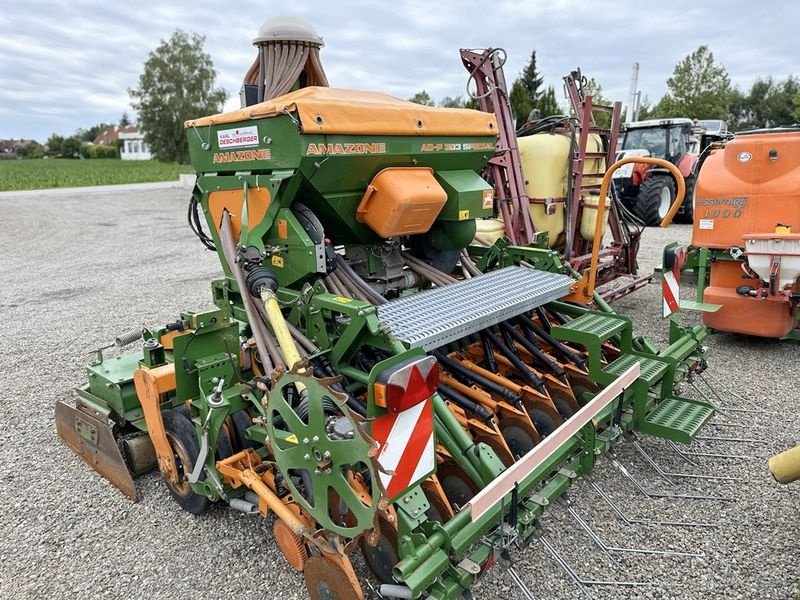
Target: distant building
(109,135)
(9,148)
(132,145)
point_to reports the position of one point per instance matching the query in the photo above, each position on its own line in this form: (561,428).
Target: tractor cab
(669,139)
(649,191)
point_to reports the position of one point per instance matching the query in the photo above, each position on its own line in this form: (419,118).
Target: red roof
(110,134)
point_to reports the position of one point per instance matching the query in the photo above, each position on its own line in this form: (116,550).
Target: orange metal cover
(352,112)
(401,201)
(750,186)
(742,314)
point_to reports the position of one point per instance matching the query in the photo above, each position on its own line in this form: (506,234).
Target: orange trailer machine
(746,239)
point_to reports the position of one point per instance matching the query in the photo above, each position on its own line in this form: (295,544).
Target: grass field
(36,174)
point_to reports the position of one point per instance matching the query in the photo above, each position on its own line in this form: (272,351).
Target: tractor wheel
(655,197)
(183,440)
(687,216)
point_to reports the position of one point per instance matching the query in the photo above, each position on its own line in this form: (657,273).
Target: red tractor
(649,191)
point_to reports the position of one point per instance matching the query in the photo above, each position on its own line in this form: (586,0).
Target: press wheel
(325,580)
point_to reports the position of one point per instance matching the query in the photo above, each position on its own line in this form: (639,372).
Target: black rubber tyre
(655,197)
(579,391)
(183,440)
(562,406)
(224,445)
(687,216)
(519,442)
(241,421)
(543,422)
(382,558)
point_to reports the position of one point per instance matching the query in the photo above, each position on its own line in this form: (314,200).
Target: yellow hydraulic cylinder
(282,333)
(785,466)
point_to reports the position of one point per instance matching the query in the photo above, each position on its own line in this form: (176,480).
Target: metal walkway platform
(437,317)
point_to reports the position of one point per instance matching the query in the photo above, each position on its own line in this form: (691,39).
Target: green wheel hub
(317,467)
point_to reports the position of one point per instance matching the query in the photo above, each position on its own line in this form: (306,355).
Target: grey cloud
(69,65)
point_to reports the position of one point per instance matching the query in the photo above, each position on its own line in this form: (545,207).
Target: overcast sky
(68,64)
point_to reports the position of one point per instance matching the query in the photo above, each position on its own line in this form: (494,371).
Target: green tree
(423,98)
(525,91)
(30,150)
(646,110)
(547,104)
(699,88)
(54,145)
(472,103)
(452,102)
(769,103)
(124,120)
(71,148)
(177,84)
(595,90)
(781,102)
(521,104)
(532,79)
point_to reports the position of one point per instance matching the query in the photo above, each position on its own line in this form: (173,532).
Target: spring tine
(565,566)
(609,549)
(710,438)
(653,464)
(718,423)
(631,521)
(684,454)
(666,474)
(651,494)
(680,453)
(520,584)
(590,532)
(581,582)
(746,401)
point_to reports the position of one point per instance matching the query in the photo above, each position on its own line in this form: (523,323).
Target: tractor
(650,191)
(370,376)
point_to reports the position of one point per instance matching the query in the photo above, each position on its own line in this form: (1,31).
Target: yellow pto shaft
(282,333)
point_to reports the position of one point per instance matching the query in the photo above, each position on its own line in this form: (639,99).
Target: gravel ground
(79,269)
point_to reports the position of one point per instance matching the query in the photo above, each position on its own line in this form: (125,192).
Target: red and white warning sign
(406,451)
(674,259)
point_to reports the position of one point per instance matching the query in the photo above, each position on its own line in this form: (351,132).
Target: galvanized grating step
(599,325)
(678,419)
(651,370)
(437,317)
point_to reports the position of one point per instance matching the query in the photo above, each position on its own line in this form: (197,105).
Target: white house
(133,146)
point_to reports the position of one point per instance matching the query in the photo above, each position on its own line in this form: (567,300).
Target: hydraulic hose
(256,324)
(515,360)
(345,266)
(557,345)
(465,403)
(533,349)
(459,371)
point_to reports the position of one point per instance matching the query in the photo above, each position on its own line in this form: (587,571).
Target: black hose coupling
(259,279)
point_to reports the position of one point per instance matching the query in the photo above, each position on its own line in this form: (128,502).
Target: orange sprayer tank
(751,186)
